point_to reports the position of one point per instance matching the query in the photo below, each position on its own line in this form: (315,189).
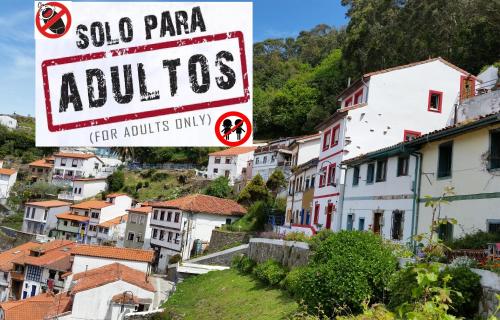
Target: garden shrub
(463,261)
(297,236)
(243,263)
(347,269)
(319,237)
(292,281)
(148,173)
(477,240)
(159,176)
(468,283)
(175,258)
(401,286)
(270,272)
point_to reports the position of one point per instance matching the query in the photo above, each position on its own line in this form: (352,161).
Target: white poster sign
(143,74)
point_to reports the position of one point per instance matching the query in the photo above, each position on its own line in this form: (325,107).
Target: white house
(88,257)
(112,291)
(304,149)
(467,158)
(8,121)
(183,225)
(40,217)
(7,180)
(84,188)
(41,170)
(230,163)
(275,155)
(112,231)
(381,109)
(68,166)
(379,193)
(299,210)
(82,222)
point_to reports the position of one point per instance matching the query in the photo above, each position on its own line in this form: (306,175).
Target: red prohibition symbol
(52,14)
(224,131)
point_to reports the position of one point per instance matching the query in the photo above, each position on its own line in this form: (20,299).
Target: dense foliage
(297,80)
(276,181)
(20,144)
(254,191)
(476,240)
(116,181)
(270,272)
(219,188)
(347,269)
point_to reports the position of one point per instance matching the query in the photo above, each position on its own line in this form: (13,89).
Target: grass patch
(229,295)
(14,221)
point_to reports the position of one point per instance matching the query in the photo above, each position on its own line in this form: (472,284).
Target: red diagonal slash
(234,128)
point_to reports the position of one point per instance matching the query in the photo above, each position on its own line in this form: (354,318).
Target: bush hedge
(477,240)
(243,264)
(270,272)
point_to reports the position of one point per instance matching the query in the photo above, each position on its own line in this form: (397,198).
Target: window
(27,212)
(444,162)
(409,135)
(493,226)
(313,178)
(96,166)
(350,222)
(74,163)
(335,135)
(169,216)
(300,183)
(162,234)
(445,231)
(403,166)
(217,160)
(355,176)
(177,235)
(264,160)
(257,160)
(381,170)
(228,221)
(348,102)
(65,223)
(33,273)
(326,140)
(397,225)
(33,212)
(177,216)
(227,173)
(139,237)
(95,215)
(155,233)
(435,101)
(162,215)
(322,177)
(170,235)
(79,190)
(495,149)
(273,158)
(130,236)
(358,97)
(228,160)
(307,182)
(370,173)
(155,214)
(45,215)
(331,174)
(216,170)
(63,162)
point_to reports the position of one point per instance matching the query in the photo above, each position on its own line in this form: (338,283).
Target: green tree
(219,188)
(276,181)
(255,190)
(116,181)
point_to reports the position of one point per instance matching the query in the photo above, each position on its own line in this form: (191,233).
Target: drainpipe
(341,199)
(416,196)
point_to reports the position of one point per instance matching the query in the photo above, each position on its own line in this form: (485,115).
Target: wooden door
(329,213)
(377,217)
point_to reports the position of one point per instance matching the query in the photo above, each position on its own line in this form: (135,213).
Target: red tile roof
(75,155)
(7,257)
(58,259)
(113,253)
(233,151)
(39,307)
(108,274)
(48,204)
(73,217)
(89,179)
(114,221)
(41,163)
(92,204)
(8,172)
(143,210)
(201,203)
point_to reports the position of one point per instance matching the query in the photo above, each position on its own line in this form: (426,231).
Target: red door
(329,213)
(316,213)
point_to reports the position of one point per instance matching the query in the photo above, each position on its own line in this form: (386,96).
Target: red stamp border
(151,113)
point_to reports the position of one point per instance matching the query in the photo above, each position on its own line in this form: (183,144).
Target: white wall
(100,300)
(477,196)
(6,183)
(236,165)
(88,188)
(7,121)
(82,263)
(86,167)
(50,223)
(396,193)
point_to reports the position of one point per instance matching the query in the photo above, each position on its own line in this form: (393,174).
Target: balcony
(165,244)
(166,224)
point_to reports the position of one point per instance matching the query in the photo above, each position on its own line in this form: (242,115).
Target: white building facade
(8,122)
(379,110)
(40,217)
(230,163)
(68,166)
(7,180)
(273,156)
(83,188)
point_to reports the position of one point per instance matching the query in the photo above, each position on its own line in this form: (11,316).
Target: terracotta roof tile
(113,252)
(114,221)
(108,274)
(48,204)
(92,204)
(8,172)
(205,204)
(41,163)
(39,307)
(47,246)
(7,257)
(58,259)
(75,155)
(144,210)
(233,151)
(73,217)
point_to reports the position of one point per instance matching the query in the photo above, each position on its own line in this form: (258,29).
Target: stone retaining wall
(221,258)
(490,282)
(290,254)
(220,239)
